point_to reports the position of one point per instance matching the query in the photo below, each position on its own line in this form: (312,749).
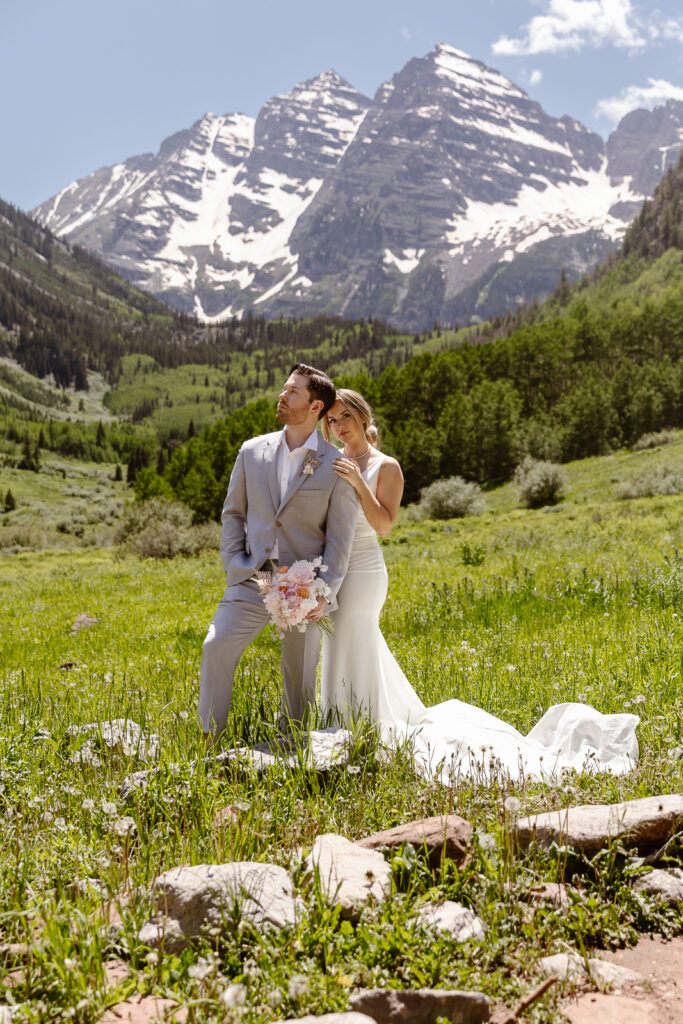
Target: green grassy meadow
(513,610)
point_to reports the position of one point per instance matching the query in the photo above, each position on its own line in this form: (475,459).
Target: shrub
(472,555)
(159,528)
(539,483)
(663,479)
(655,440)
(452,498)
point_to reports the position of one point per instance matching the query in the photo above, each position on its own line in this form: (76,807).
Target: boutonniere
(310,465)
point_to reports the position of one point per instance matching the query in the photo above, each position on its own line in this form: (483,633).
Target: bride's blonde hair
(361,412)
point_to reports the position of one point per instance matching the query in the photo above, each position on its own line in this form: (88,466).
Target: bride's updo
(361,412)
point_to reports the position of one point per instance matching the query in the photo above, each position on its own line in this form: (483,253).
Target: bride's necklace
(357,458)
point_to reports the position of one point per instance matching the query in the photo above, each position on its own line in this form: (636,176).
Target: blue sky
(86,84)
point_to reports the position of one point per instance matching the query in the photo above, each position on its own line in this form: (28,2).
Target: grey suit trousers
(239,618)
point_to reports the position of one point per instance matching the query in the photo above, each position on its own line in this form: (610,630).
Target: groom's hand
(318,612)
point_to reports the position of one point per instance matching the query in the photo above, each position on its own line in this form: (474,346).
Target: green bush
(452,498)
(664,479)
(159,528)
(655,440)
(540,483)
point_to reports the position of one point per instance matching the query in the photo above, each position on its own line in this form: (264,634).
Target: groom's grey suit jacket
(316,516)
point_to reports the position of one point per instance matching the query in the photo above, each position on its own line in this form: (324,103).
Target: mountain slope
(450,196)
(205,223)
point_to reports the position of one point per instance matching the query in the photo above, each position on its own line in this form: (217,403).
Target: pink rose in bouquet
(292,592)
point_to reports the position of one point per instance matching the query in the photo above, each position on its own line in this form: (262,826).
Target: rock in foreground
(421,1006)
(452,919)
(644,824)
(191,900)
(349,876)
(665,883)
(444,835)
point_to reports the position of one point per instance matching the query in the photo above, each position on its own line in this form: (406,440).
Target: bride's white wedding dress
(360,676)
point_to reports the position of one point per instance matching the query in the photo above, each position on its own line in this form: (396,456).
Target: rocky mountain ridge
(451,195)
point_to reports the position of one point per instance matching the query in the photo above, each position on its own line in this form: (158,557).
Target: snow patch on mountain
(542,211)
(406,262)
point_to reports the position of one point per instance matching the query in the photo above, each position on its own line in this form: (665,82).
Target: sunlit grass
(582,603)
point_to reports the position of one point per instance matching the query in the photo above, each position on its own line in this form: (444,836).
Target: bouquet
(292,592)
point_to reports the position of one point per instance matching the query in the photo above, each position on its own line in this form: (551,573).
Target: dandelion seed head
(298,986)
(512,805)
(274,998)
(233,996)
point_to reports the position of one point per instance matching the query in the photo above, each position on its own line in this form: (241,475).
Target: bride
(361,676)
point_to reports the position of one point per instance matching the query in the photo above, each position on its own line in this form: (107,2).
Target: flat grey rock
(667,883)
(572,967)
(644,824)
(350,876)
(321,750)
(421,1006)
(120,735)
(192,899)
(451,918)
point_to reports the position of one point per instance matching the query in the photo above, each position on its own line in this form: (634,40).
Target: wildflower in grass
(510,668)
(512,805)
(201,970)
(234,996)
(88,804)
(124,826)
(47,818)
(242,805)
(152,958)
(110,808)
(274,998)
(69,964)
(353,769)
(298,986)
(250,969)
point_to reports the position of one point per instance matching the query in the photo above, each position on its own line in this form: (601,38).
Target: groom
(284,503)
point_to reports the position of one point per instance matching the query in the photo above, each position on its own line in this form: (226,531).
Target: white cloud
(573,24)
(405,32)
(672,28)
(535,77)
(656,91)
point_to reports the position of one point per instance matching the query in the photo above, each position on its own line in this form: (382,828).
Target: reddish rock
(446,833)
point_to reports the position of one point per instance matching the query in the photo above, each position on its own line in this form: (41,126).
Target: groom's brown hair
(319,385)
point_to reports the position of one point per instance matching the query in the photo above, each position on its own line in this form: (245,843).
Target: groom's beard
(291,417)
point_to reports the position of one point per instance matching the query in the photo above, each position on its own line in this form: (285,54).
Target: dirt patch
(656,999)
(144,1010)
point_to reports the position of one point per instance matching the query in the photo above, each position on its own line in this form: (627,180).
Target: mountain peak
(467,73)
(445,48)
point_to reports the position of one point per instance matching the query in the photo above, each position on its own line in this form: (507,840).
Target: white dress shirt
(289,463)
